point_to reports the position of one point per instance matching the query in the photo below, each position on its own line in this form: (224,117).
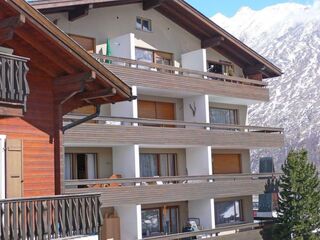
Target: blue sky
(230,7)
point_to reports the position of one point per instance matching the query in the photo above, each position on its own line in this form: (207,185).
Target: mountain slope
(289,36)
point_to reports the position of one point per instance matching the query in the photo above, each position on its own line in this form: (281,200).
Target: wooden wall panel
(35,129)
(123,195)
(158,80)
(105,135)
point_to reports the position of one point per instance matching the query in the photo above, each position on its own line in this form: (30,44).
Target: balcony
(112,131)
(14,87)
(117,192)
(158,76)
(53,217)
(248,231)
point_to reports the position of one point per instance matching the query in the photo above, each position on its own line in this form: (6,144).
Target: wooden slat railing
(176,70)
(50,217)
(14,87)
(169,180)
(169,123)
(212,233)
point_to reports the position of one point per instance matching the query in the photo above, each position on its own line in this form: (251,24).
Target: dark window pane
(139,23)
(228,212)
(146,25)
(215,68)
(150,222)
(223,116)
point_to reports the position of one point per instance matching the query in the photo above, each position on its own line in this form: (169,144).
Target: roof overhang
(54,55)
(188,18)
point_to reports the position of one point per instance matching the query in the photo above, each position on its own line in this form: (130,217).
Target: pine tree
(299,199)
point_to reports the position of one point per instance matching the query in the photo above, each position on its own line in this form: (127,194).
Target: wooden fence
(50,217)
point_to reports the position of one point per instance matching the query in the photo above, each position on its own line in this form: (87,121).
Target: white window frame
(2,167)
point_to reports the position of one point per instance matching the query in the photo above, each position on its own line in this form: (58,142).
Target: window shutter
(14,166)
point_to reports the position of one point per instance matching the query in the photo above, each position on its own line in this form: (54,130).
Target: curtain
(91,166)
(67,166)
(148,165)
(222,116)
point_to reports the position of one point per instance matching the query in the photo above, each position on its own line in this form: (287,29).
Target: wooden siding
(116,196)
(35,129)
(102,135)
(160,80)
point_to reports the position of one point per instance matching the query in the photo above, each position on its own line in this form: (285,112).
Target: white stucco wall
(126,161)
(2,167)
(111,22)
(199,161)
(195,60)
(201,106)
(203,209)
(126,109)
(130,221)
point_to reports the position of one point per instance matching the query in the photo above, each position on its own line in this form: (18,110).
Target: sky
(230,7)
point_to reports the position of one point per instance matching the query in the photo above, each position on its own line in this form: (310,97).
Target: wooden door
(14,166)
(88,43)
(226,163)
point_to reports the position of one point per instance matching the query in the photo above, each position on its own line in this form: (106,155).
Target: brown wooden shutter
(147,109)
(226,163)
(14,168)
(165,110)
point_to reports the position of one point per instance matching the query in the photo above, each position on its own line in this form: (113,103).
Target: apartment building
(44,74)
(179,154)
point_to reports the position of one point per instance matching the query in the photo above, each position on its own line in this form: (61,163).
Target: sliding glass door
(80,166)
(158,165)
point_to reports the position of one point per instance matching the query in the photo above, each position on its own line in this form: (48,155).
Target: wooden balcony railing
(14,87)
(240,229)
(50,217)
(177,71)
(168,180)
(104,120)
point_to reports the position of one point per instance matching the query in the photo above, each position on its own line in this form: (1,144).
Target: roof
(55,55)
(190,19)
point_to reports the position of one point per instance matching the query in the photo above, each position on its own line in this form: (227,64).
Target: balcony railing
(122,121)
(14,87)
(124,191)
(50,217)
(177,71)
(144,181)
(249,231)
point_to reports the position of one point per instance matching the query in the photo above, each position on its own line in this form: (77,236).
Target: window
(157,164)
(223,116)
(80,166)
(160,221)
(151,56)
(221,67)
(228,212)
(143,24)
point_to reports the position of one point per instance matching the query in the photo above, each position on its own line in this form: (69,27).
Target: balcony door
(80,166)
(156,110)
(152,165)
(226,163)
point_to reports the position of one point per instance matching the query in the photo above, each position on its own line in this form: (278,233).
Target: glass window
(143,24)
(144,55)
(80,166)
(228,212)
(215,68)
(223,116)
(157,165)
(67,166)
(151,222)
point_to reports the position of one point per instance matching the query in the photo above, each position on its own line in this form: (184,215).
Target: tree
(299,199)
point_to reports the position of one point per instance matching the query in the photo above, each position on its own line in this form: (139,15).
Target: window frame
(158,159)
(236,115)
(142,19)
(74,165)
(224,64)
(156,53)
(241,217)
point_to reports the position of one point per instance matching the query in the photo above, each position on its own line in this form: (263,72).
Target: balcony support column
(130,221)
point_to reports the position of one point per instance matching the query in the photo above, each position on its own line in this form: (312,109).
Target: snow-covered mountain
(288,35)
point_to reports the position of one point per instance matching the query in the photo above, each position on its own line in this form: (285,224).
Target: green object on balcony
(108,50)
